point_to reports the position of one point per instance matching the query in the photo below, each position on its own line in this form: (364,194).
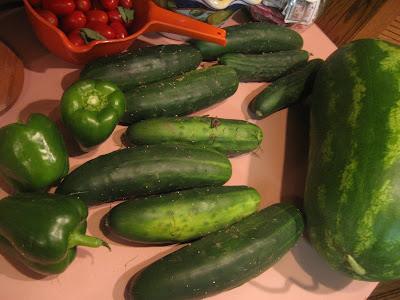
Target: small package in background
(297,14)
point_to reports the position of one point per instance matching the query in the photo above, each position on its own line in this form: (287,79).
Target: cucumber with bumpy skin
(182,216)
(229,136)
(255,37)
(145,170)
(181,95)
(285,91)
(223,260)
(265,66)
(143,66)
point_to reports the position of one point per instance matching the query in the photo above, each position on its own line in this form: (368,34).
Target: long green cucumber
(286,90)
(222,260)
(255,37)
(265,66)
(352,199)
(182,216)
(181,95)
(145,170)
(229,136)
(143,66)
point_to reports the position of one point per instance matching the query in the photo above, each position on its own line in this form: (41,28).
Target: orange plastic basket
(148,18)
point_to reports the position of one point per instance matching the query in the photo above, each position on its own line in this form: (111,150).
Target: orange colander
(148,18)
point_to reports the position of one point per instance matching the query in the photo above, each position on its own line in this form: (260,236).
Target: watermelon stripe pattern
(352,197)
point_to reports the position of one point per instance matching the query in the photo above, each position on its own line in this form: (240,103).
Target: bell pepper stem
(79,239)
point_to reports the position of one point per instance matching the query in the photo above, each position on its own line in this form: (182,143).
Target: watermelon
(352,197)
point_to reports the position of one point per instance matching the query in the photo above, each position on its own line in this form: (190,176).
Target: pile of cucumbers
(173,172)
(172,175)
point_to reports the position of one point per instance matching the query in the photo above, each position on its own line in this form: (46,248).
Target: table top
(277,171)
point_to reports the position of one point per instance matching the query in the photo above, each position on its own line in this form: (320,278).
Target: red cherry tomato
(59,7)
(49,16)
(126,3)
(83,5)
(109,4)
(114,15)
(104,29)
(35,3)
(76,38)
(97,16)
(75,20)
(119,29)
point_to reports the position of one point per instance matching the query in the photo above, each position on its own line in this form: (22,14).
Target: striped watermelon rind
(352,198)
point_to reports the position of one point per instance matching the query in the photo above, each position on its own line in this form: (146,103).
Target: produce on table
(228,136)
(93,19)
(181,95)
(265,66)
(91,109)
(144,66)
(352,204)
(182,216)
(286,91)
(43,230)
(222,260)
(251,38)
(145,170)
(33,156)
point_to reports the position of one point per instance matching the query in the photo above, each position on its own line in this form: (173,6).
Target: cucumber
(229,136)
(352,200)
(181,216)
(143,66)
(286,90)
(181,95)
(145,170)
(265,66)
(222,260)
(256,37)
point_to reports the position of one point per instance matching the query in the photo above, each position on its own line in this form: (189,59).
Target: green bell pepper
(43,230)
(91,109)
(32,156)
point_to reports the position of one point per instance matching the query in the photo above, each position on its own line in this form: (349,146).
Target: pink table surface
(277,170)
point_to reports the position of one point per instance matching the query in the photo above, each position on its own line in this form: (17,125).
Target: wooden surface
(347,20)
(11,77)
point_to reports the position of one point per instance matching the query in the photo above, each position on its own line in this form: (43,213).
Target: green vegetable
(143,66)
(91,109)
(181,95)
(45,269)
(352,200)
(222,260)
(32,156)
(145,170)
(43,230)
(286,90)
(182,216)
(252,38)
(265,66)
(229,136)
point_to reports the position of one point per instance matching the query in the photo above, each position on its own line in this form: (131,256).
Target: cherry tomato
(114,15)
(83,5)
(119,29)
(35,3)
(76,38)
(76,19)
(104,29)
(109,4)
(59,7)
(49,16)
(97,16)
(126,3)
